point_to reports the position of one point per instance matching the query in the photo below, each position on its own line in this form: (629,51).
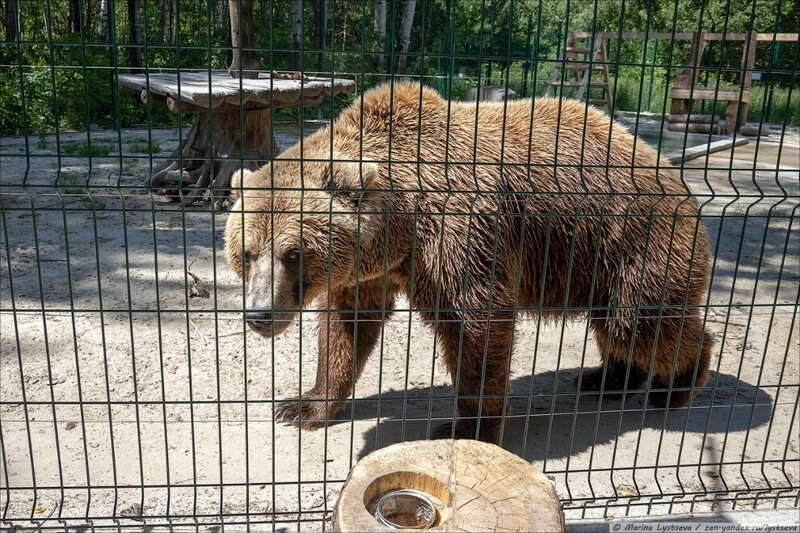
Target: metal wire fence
(449,261)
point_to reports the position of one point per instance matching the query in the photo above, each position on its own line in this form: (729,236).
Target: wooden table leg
(731,116)
(213,151)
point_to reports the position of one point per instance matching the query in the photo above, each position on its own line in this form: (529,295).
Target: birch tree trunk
(87,19)
(297,32)
(219,14)
(170,27)
(380,30)
(405,35)
(102,32)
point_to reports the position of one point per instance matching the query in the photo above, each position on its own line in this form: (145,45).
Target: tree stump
(232,130)
(473,486)
(239,140)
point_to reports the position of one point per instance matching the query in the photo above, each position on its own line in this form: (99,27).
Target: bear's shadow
(565,423)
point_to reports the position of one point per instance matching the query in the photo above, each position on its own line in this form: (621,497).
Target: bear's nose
(258,317)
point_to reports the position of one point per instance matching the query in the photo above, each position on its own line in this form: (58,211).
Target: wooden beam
(710,93)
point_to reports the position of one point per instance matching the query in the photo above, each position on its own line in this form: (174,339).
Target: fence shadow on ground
(556,426)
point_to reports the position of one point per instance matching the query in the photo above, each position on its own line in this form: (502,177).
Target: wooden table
(233,123)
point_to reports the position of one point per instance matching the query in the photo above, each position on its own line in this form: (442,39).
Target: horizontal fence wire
(143,382)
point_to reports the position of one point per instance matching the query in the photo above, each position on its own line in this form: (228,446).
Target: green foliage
(60,80)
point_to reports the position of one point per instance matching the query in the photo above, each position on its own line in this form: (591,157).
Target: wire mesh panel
(244,245)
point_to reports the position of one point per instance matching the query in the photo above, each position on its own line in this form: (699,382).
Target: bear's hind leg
(677,379)
(346,339)
(622,369)
(482,374)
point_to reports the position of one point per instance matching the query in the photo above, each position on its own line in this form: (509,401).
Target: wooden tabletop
(201,90)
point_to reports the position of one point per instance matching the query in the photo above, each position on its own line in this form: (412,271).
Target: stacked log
(751,130)
(694,124)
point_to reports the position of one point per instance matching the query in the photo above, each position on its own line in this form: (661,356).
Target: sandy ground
(113,377)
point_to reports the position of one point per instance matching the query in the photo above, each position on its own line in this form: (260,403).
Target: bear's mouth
(262,327)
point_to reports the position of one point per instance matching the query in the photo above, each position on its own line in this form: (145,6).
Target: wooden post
(748,63)
(243,34)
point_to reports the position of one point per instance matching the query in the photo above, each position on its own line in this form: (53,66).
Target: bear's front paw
(591,379)
(676,399)
(306,413)
(466,429)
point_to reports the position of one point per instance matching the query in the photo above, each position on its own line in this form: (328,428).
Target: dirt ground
(118,371)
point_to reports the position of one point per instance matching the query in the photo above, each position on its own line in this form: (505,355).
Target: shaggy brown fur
(558,215)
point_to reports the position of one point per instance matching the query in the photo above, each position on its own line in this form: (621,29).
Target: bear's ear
(354,177)
(243,177)
(244,180)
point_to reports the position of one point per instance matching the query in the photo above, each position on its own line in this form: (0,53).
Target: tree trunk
(219,14)
(74,16)
(10,20)
(380,30)
(102,31)
(243,36)
(405,35)
(170,27)
(297,33)
(87,19)
(135,30)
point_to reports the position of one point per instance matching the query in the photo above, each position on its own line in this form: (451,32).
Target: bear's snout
(259,321)
(271,305)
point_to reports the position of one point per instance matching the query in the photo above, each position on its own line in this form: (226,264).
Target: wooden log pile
(695,124)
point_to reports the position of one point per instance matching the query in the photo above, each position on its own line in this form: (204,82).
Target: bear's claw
(304,413)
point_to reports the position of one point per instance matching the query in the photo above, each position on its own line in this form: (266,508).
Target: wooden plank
(582,66)
(694,152)
(710,93)
(786,37)
(196,89)
(576,84)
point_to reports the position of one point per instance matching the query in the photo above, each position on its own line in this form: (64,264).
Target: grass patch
(130,166)
(72,183)
(84,149)
(145,147)
(93,203)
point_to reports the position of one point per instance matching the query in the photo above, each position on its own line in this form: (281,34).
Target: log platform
(232,130)
(466,485)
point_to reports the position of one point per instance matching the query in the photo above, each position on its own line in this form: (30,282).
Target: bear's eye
(291,259)
(293,254)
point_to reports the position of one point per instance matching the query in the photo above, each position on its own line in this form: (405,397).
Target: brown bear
(476,212)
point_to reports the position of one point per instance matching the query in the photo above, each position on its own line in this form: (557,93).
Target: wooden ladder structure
(574,69)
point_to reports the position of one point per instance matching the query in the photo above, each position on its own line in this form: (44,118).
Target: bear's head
(295,232)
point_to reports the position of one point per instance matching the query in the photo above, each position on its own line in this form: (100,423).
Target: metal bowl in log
(472,485)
